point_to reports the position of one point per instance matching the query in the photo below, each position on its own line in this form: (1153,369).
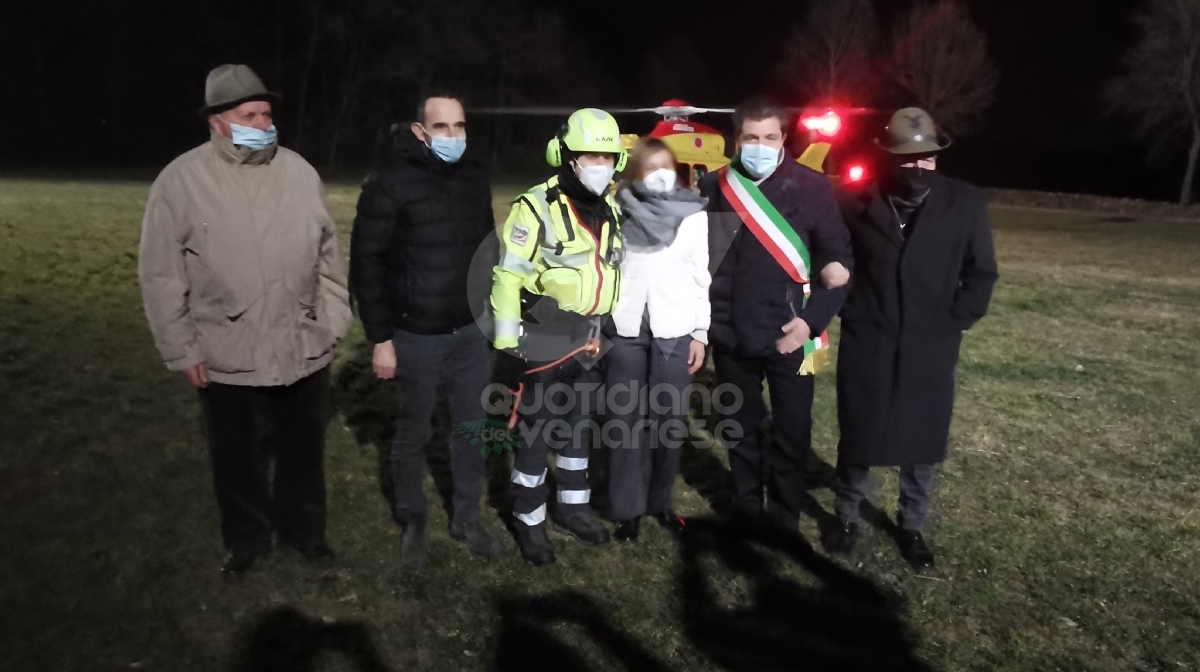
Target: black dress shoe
(627,530)
(671,522)
(842,539)
(239,562)
(915,551)
(317,554)
(583,526)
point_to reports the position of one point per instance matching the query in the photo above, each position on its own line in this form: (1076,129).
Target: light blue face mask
(760,160)
(448,149)
(253,138)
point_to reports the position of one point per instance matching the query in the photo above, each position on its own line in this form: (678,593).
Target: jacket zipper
(599,272)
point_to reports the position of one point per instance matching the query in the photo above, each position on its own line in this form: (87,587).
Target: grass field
(1066,521)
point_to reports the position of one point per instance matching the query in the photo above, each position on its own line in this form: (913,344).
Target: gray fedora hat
(912,131)
(229,85)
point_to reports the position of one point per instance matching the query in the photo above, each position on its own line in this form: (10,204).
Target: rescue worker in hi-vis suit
(557,279)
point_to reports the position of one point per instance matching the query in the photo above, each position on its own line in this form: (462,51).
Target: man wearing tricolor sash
(925,272)
(771,220)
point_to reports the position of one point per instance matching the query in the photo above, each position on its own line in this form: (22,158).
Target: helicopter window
(684,172)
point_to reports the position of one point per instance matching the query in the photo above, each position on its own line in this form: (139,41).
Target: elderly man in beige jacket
(244,284)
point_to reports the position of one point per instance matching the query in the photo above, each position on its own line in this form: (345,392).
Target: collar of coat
(880,212)
(242,156)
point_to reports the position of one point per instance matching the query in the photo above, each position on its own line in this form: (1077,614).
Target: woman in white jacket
(658,330)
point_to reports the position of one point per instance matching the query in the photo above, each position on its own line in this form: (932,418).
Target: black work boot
(916,551)
(579,522)
(842,539)
(477,537)
(534,543)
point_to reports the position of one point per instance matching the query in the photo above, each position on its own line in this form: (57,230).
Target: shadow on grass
(284,640)
(528,640)
(835,621)
(369,406)
(839,621)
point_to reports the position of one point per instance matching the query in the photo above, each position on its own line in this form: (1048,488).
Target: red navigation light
(856,173)
(828,124)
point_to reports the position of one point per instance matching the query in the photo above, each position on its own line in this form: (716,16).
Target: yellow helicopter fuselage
(700,150)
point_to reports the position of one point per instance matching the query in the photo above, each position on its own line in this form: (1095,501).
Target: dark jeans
(247,426)
(641,468)
(916,490)
(460,364)
(768,481)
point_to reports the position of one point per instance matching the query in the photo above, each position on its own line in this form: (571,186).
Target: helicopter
(701,149)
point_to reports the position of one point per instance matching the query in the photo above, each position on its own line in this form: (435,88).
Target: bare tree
(828,56)
(1160,84)
(940,61)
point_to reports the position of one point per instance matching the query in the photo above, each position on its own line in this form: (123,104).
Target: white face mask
(595,178)
(661,181)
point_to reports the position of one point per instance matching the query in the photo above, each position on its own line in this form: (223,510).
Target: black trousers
(768,480)
(556,416)
(644,433)
(247,427)
(459,364)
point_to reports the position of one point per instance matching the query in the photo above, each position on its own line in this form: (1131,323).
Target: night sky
(63,105)
(1045,132)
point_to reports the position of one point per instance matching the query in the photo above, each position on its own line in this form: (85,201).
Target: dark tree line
(114,82)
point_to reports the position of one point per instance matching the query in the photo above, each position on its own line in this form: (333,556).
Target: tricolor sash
(783,243)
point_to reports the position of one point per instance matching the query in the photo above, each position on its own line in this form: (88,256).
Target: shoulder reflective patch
(519,235)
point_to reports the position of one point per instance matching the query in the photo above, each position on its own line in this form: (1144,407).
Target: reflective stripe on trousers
(570,446)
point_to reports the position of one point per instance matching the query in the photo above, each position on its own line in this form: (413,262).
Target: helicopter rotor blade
(841,111)
(567,111)
(525,111)
(688,110)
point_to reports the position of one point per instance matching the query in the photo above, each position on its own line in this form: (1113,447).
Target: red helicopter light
(828,124)
(856,173)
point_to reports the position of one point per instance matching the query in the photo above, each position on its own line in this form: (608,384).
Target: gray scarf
(652,219)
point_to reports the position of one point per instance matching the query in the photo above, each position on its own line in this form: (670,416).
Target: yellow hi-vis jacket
(548,251)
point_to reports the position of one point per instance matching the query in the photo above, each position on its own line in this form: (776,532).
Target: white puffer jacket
(673,282)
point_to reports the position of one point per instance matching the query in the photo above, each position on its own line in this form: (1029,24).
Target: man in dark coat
(925,267)
(423,221)
(761,317)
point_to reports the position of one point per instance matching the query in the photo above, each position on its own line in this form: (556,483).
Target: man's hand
(197,376)
(695,357)
(796,333)
(835,275)
(384,360)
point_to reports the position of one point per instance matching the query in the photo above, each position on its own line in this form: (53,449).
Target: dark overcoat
(913,294)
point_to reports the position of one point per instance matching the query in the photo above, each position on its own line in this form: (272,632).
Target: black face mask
(909,185)
(913,180)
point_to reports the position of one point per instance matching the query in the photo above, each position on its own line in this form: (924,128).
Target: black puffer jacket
(422,226)
(750,291)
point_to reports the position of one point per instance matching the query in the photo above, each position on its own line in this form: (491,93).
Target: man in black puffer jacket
(423,222)
(761,319)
